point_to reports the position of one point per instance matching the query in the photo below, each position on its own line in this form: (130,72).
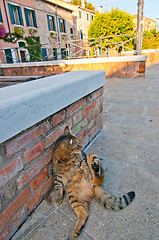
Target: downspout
(6,16)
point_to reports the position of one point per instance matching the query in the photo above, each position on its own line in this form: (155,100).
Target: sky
(151,7)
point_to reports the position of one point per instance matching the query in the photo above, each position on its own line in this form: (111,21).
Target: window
(8,55)
(87,16)
(51,23)
(80,14)
(1,19)
(44,54)
(15,14)
(64,53)
(92,17)
(54,53)
(81,34)
(71,31)
(30,17)
(62,25)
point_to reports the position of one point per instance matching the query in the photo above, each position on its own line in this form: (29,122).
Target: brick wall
(26,172)
(114,67)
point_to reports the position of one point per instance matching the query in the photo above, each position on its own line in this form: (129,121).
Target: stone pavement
(129,147)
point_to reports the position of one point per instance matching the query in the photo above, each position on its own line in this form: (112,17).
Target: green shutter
(60,25)
(26,16)
(48,21)
(54,23)
(1,19)
(20,16)
(11,13)
(34,18)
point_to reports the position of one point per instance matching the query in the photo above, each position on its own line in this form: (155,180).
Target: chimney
(100,9)
(83,3)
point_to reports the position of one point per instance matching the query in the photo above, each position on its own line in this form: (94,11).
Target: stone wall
(120,67)
(26,171)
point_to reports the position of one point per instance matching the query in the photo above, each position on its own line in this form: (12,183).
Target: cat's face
(68,144)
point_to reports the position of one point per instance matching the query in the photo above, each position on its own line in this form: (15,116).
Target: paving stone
(144,182)
(56,227)
(33,221)
(136,222)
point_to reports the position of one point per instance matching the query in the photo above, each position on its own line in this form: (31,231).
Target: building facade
(56,22)
(148,24)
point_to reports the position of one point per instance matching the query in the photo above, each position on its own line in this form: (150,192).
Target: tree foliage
(88,5)
(115,22)
(151,40)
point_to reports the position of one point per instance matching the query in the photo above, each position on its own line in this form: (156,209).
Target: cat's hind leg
(81,210)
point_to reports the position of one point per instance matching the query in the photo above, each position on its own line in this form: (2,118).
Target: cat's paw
(95,166)
(75,234)
(57,201)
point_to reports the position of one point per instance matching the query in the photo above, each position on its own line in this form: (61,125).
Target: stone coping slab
(136,58)
(25,104)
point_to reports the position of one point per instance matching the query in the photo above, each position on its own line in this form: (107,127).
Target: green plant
(34,48)
(53,34)
(32,31)
(115,22)
(19,32)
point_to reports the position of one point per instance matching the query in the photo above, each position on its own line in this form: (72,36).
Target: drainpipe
(6,16)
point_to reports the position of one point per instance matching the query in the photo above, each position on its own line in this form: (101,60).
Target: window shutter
(60,25)
(26,17)
(54,23)
(48,21)
(20,15)
(64,25)
(11,13)
(1,19)
(34,18)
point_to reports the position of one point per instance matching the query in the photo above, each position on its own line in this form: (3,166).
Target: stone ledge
(78,61)
(26,104)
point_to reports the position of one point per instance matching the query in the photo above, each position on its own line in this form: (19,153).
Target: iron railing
(70,49)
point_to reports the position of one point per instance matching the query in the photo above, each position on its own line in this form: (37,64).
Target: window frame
(15,14)
(30,17)
(51,23)
(62,25)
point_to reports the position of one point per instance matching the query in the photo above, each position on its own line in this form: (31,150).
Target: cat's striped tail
(114,203)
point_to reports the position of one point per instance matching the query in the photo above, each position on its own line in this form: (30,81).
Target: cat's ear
(67,130)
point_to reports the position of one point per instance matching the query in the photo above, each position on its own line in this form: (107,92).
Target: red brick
(52,137)
(10,171)
(75,107)
(141,65)
(87,110)
(98,127)
(20,217)
(58,118)
(39,179)
(77,117)
(5,234)
(28,175)
(96,94)
(81,136)
(14,207)
(24,139)
(33,152)
(39,195)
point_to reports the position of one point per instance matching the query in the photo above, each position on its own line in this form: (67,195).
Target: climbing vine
(33,48)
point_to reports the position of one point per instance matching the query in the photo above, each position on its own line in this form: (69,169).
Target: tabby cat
(81,176)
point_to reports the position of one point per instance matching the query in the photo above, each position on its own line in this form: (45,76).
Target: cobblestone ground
(129,147)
